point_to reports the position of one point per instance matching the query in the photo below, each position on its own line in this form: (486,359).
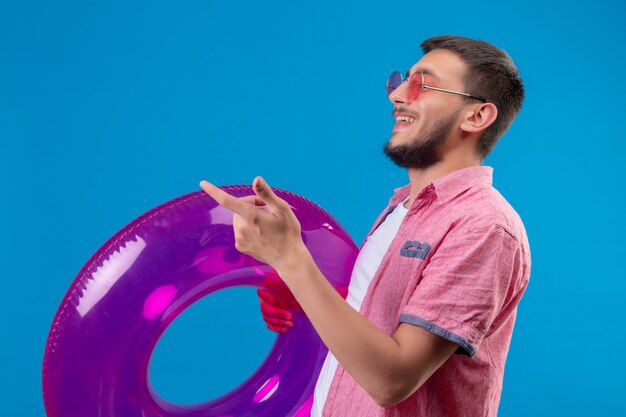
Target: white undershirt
(365,267)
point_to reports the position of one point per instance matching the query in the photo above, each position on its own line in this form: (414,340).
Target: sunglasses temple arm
(454,92)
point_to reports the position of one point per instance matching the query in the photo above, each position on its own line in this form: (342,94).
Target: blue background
(108,109)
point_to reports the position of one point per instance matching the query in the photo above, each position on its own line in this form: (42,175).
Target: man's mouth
(403,121)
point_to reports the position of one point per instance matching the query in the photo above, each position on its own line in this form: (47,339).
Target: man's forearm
(369,355)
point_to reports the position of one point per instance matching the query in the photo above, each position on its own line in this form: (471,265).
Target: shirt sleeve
(464,285)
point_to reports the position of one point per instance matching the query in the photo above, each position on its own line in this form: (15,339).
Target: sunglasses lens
(394,81)
(415,85)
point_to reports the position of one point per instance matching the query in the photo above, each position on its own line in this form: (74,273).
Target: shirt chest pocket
(410,261)
(415,249)
(403,267)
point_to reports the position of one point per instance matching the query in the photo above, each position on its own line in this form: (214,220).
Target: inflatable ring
(98,351)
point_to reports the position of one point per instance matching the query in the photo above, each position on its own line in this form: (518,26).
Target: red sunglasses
(416,85)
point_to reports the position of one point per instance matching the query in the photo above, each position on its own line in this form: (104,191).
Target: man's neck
(420,178)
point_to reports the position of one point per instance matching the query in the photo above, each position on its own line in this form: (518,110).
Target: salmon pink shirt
(458,267)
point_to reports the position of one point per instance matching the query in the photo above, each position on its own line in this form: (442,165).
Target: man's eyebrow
(423,71)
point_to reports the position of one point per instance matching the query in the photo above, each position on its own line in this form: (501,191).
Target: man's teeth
(405,119)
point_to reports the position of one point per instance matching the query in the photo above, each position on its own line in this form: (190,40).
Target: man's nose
(399,95)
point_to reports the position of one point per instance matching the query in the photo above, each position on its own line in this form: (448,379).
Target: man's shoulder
(485,208)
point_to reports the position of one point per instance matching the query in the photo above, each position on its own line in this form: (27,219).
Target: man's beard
(424,150)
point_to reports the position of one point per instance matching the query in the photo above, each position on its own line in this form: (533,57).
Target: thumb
(266,193)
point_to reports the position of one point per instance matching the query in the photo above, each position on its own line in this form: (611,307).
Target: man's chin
(395,139)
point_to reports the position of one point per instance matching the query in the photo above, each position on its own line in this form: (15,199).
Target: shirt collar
(450,185)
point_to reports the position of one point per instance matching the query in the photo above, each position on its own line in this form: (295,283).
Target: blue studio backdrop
(109,108)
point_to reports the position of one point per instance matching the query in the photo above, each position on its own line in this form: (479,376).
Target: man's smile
(403,120)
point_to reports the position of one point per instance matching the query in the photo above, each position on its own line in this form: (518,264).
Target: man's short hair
(491,74)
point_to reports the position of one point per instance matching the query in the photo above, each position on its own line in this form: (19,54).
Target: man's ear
(480,118)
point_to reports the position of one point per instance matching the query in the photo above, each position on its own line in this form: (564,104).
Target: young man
(432,301)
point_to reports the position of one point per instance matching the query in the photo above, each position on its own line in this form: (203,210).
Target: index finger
(224,199)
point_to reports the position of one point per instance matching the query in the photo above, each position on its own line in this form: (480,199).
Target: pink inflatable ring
(102,337)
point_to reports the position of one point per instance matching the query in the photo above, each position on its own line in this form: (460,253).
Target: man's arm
(388,368)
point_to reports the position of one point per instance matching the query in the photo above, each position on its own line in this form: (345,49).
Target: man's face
(425,126)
